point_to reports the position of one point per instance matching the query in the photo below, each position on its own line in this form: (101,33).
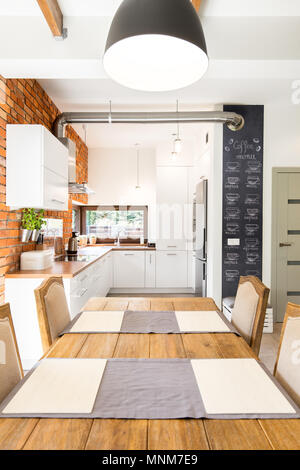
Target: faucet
(117,242)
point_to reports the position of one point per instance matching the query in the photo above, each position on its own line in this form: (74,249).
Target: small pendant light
(174,154)
(155,45)
(177,141)
(137,187)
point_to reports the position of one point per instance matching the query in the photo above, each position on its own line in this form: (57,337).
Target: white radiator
(268,325)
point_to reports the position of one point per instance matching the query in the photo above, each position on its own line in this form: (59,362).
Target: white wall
(113,176)
(281,149)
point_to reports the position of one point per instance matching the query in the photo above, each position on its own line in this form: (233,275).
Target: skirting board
(184,290)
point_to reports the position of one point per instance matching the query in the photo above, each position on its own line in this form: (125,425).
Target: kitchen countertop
(69,269)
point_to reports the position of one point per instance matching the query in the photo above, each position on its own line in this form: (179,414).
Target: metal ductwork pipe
(233,121)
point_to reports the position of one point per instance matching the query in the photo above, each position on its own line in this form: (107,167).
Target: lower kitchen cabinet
(150,261)
(94,280)
(129,269)
(171,269)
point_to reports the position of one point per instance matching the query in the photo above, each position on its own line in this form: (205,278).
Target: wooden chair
(52,309)
(248,314)
(287,366)
(11,371)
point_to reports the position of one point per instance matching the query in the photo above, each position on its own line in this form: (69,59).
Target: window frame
(84,209)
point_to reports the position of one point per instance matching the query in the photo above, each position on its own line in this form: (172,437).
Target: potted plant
(38,223)
(28,224)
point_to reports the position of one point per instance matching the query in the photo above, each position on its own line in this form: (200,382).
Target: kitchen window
(109,222)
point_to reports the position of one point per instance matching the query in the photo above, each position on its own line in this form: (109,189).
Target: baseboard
(184,290)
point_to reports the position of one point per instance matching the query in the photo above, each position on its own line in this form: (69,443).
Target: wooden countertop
(174,434)
(69,269)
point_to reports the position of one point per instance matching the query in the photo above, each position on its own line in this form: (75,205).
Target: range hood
(74,187)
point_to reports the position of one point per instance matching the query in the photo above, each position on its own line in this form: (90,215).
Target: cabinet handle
(284,244)
(57,200)
(128,254)
(171,254)
(172,246)
(82,292)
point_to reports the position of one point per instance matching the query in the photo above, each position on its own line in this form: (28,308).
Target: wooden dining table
(127,434)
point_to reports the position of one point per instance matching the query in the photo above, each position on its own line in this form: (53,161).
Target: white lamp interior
(154,62)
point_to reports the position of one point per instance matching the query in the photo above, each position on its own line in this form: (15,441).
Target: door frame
(274,242)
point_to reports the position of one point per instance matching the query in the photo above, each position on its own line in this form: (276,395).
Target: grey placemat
(163,322)
(138,389)
(149,389)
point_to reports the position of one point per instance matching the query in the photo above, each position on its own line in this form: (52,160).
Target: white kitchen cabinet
(150,261)
(172,185)
(173,209)
(37,168)
(90,282)
(129,269)
(171,269)
(171,245)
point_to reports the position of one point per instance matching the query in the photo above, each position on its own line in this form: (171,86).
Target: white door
(129,269)
(287,209)
(171,269)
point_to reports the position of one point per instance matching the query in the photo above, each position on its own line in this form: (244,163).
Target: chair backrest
(248,314)
(11,371)
(52,309)
(287,366)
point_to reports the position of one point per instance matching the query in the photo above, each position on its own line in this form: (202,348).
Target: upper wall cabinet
(172,185)
(37,168)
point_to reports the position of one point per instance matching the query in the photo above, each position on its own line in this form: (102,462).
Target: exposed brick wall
(25,102)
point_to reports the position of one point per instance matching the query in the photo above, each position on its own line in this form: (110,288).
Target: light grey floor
(151,295)
(269,347)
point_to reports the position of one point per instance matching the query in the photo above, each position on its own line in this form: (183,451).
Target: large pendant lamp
(155,45)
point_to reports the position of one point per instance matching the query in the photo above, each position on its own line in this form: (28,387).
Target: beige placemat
(102,321)
(238,386)
(206,321)
(59,386)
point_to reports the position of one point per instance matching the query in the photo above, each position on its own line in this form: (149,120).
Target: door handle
(284,244)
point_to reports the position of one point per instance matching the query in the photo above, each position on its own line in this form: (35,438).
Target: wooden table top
(121,434)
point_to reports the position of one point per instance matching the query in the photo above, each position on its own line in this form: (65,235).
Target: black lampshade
(156,45)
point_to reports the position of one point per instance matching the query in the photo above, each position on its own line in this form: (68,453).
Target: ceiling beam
(196,4)
(53,16)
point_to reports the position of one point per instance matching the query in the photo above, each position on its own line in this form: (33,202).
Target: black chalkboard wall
(242,198)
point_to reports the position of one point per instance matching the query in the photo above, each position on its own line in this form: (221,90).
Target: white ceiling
(108,7)
(253,47)
(147,135)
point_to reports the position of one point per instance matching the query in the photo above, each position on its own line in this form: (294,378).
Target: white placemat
(206,321)
(98,321)
(59,386)
(238,386)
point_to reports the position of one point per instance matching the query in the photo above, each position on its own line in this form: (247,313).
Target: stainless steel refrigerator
(200,238)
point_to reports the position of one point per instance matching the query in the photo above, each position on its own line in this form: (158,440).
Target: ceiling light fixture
(177,141)
(155,45)
(138,187)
